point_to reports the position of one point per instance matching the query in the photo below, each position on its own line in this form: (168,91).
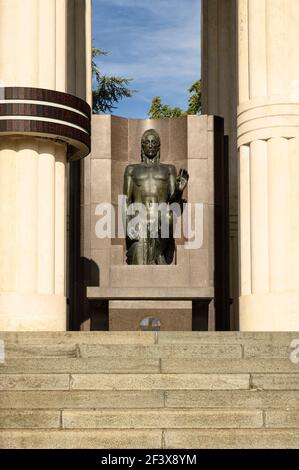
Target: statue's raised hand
(182,180)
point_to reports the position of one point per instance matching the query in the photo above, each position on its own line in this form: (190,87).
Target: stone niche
(184,294)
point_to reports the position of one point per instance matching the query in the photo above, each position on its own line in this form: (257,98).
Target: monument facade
(45,64)
(179,290)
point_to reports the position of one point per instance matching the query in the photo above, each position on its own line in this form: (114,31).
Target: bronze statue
(151,183)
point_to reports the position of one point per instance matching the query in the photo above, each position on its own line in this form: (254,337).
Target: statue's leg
(159,252)
(136,253)
(161,259)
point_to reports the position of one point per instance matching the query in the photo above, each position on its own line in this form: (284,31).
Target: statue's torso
(150,183)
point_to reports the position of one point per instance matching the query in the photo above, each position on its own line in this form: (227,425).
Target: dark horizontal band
(79,141)
(52,96)
(50,112)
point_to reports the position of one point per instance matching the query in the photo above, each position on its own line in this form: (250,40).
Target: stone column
(268,143)
(41,126)
(219,97)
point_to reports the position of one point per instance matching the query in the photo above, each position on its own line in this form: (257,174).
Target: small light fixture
(150,324)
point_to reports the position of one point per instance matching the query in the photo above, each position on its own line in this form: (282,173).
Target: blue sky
(155,42)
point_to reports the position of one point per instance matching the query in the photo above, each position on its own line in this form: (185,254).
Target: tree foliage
(159,110)
(108,90)
(194,100)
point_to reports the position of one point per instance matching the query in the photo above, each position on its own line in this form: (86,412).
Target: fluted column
(39,129)
(268,136)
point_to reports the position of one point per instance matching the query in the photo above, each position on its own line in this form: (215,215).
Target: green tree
(194,100)
(159,110)
(108,90)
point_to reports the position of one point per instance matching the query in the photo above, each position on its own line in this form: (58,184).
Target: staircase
(149,390)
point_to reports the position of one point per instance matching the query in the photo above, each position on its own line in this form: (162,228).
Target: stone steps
(149,390)
(137,337)
(130,365)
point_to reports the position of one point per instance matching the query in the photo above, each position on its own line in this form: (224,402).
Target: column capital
(266,117)
(48,114)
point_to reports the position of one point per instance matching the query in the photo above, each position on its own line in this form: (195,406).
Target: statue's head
(150,145)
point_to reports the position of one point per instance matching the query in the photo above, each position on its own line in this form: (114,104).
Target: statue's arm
(177,183)
(128,193)
(128,184)
(172,184)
